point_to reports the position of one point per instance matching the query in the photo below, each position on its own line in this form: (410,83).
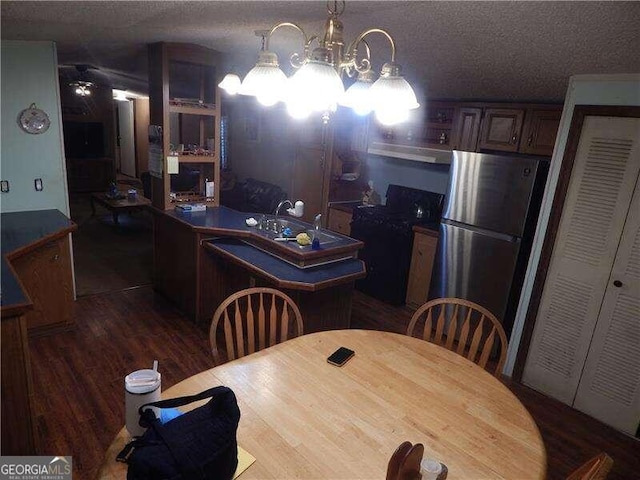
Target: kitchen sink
(275,228)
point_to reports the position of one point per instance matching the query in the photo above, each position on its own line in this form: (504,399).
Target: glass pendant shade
(230,83)
(357,96)
(265,81)
(392,97)
(315,87)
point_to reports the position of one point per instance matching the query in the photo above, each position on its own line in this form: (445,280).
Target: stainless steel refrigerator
(488,221)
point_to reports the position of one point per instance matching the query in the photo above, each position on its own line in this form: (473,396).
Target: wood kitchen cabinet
(339,221)
(477,127)
(16,384)
(540,130)
(522,128)
(434,130)
(425,242)
(438,130)
(45,273)
(501,129)
(467,128)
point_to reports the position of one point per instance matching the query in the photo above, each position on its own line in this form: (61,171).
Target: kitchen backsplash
(423,176)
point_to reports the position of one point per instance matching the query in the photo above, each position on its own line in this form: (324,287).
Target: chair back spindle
(464,327)
(404,464)
(596,468)
(278,319)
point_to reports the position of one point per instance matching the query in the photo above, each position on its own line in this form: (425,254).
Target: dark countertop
(216,220)
(287,264)
(22,232)
(432,229)
(346,206)
(224,221)
(282,273)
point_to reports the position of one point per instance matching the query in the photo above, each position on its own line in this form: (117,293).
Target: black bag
(200,444)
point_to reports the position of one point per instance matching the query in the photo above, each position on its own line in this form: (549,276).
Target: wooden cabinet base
(17,427)
(45,273)
(175,250)
(339,221)
(326,309)
(422,257)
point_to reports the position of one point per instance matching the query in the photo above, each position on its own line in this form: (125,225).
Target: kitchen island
(200,258)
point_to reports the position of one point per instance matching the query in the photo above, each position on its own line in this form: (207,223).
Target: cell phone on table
(340,356)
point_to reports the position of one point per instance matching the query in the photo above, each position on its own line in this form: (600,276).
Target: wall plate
(33,120)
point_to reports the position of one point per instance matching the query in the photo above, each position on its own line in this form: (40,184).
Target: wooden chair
(595,469)
(455,317)
(251,314)
(405,462)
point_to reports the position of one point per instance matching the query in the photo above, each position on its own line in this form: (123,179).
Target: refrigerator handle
(483,231)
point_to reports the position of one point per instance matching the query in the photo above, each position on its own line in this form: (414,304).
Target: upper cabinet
(467,128)
(438,130)
(433,130)
(185,103)
(529,129)
(501,129)
(475,127)
(540,130)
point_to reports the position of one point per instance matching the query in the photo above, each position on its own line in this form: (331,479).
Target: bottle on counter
(315,243)
(208,188)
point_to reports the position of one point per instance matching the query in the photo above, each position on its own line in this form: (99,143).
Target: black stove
(387,233)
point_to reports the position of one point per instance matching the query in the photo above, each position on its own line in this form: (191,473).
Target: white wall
(29,75)
(583,90)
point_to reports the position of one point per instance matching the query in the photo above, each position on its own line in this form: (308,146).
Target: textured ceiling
(465,50)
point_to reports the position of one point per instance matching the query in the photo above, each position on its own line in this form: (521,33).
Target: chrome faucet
(280,206)
(276,226)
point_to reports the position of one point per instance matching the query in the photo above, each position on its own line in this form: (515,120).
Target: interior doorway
(126,142)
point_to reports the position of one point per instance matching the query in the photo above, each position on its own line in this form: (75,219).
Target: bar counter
(200,258)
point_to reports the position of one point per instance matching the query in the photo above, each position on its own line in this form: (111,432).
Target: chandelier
(317,86)
(82,88)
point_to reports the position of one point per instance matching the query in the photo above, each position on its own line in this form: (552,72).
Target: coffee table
(117,206)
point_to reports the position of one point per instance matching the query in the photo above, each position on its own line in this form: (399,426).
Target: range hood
(407,152)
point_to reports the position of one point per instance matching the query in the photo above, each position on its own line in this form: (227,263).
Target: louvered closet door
(602,182)
(609,388)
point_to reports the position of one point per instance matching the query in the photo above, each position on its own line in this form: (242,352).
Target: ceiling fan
(81,74)
(82,85)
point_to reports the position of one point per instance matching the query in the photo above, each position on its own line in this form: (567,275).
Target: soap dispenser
(315,243)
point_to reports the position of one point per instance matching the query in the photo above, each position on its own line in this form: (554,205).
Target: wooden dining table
(302,417)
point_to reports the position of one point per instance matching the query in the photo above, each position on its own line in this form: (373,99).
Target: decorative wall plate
(33,120)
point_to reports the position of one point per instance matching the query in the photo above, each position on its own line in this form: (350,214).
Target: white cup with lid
(430,469)
(141,386)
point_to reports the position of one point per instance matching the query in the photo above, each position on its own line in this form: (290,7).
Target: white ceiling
(521,51)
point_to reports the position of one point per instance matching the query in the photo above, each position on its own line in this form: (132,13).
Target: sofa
(253,196)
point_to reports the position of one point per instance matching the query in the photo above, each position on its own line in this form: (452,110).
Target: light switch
(4,186)
(38,184)
(173,166)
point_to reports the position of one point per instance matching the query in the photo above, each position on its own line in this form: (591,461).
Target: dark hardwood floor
(78,380)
